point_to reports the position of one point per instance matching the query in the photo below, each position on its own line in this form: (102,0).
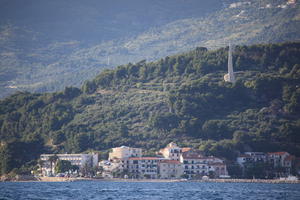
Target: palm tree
(52,159)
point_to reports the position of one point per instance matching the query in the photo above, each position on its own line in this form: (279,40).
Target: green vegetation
(181,98)
(63,166)
(72,49)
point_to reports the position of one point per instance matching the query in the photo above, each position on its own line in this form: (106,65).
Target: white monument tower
(229,77)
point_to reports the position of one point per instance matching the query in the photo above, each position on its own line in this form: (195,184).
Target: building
(277,159)
(80,160)
(219,169)
(124,152)
(171,151)
(251,157)
(170,169)
(196,165)
(141,167)
(173,163)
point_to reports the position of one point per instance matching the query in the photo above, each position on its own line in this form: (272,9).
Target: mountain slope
(70,60)
(180,98)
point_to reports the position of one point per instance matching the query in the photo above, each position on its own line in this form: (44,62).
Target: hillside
(47,56)
(180,98)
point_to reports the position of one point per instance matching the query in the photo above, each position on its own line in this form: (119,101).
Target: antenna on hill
(229,77)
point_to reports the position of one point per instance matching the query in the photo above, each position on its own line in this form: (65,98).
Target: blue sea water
(90,190)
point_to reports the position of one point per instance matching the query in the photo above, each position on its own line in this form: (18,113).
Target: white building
(280,159)
(80,160)
(141,167)
(124,152)
(171,151)
(197,165)
(176,161)
(251,157)
(170,169)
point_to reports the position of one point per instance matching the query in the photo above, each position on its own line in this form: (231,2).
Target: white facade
(171,151)
(170,169)
(124,152)
(197,165)
(278,158)
(79,160)
(141,167)
(251,157)
(175,162)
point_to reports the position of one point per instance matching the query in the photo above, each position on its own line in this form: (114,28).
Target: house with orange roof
(171,151)
(196,164)
(251,157)
(277,159)
(143,167)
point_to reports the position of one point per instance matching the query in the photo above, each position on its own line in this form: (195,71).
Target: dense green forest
(181,98)
(46,46)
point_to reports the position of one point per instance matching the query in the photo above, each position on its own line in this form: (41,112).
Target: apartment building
(170,169)
(124,152)
(80,160)
(173,163)
(171,151)
(197,165)
(251,157)
(141,167)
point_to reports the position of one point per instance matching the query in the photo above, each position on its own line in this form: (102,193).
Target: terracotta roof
(278,153)
(289,158)
(244,156)
(170,161)
(185,149)
(145,158)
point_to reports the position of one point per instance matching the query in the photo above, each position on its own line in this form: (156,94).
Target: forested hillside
(46,46)
(181,98)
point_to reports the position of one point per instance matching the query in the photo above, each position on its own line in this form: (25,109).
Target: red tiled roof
(245,156)
(145,158)
(185,149)
(289,158)
(170,161)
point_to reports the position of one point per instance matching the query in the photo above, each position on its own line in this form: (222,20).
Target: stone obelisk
(230,76)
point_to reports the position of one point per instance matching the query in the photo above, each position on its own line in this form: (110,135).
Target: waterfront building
(251,157)
(80,160)
(173,163)
(170,169)
(141,167)
(197,165)
(124,152)
(278,159)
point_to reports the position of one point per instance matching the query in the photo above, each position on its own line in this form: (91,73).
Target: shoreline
(65,179)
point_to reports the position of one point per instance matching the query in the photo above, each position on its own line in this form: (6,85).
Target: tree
(52,159)
(63,166)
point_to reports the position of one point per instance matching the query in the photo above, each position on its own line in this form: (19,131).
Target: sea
(89,190)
